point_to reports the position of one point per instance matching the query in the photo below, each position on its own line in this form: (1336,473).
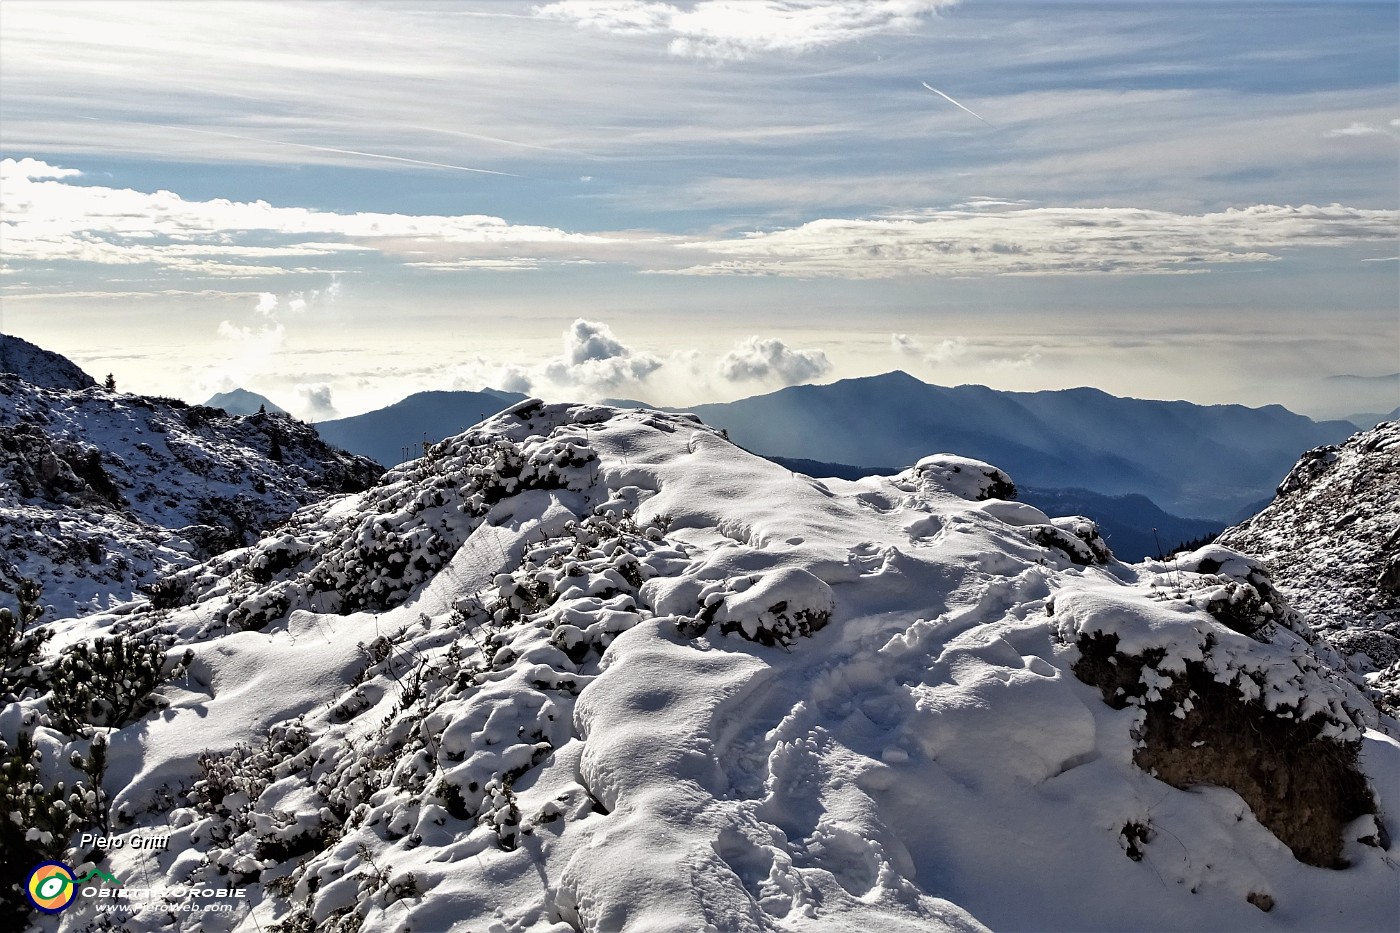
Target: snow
(631,677)
(1329,541)
(103,492)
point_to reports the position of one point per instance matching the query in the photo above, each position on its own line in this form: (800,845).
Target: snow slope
(589,669)
(40,367)
(100,492)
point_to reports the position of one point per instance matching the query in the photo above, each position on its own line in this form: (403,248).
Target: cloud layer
(734,29)
(50,219)
(1040,241)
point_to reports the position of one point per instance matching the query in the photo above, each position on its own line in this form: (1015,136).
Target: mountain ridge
(604,670)
(1054,438)
(102,491)
(396,433)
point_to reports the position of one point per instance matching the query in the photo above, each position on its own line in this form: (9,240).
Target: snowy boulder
(771,608)
(1271,725)
(1076,537)
(964,477)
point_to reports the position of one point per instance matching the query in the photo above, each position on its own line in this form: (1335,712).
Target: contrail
(950,100)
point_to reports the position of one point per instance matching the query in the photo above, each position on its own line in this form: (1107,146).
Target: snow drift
(589,669)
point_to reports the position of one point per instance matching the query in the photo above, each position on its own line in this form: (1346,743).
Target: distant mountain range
(1133,465)
(1207,461)
(243,402)
(1367,420)
(397,433)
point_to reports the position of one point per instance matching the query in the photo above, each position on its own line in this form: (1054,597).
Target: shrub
(22,643)
(109,682)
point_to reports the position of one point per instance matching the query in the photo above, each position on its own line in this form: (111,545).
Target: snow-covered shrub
(773,608)
(1237,591)
(110,682)
(37,819)
(22,643)
(1076,537)
(500,811)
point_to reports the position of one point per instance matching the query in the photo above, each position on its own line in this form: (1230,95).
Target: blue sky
(339,203)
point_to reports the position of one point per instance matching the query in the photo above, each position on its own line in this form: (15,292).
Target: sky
(337,204)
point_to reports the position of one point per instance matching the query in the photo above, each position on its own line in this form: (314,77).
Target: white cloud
(946,351)
(47,220)
(1365,129)
(1039,241)
(733,29)
(1025,361)
(33,169)
(905,344)
(267,303)
(772,360)
(594,360)
(316,401)
(515,379)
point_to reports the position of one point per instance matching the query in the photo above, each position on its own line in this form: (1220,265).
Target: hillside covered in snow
(101,492)
(41,367)
(583,669)
(1331,541)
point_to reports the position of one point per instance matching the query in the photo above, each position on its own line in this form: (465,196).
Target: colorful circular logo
(51,887)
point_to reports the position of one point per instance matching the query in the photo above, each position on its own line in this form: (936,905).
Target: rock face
(40,367)
(597,670)
(100,492)
(1331,542)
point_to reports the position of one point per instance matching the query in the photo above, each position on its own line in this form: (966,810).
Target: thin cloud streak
(308,146)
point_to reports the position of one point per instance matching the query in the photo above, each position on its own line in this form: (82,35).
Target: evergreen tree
(110,383)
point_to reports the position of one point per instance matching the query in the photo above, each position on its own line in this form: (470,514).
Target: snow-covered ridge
(1331,541)
(40,367)
(601,670)
(100,492)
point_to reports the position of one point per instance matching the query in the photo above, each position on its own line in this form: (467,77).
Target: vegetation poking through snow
(110,682)
(601,670)
(22,643)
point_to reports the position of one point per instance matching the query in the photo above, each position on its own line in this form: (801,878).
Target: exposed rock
(102,492)
(1331,543)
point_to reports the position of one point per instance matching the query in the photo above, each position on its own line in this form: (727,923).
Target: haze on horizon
(337,204)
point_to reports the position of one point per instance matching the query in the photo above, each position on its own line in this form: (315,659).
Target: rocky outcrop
(1331,543)
(101,492)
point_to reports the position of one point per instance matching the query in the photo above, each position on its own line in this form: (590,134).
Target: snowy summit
(583,669)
